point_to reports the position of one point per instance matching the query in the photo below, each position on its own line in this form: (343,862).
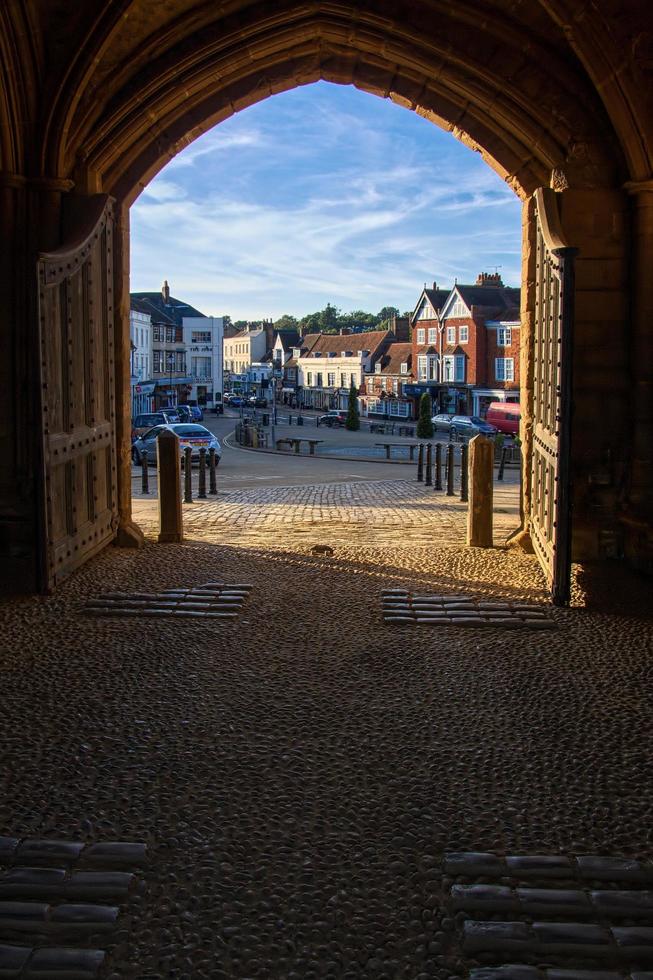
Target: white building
(329,364)
(203,340)
(244,349)
(140,333)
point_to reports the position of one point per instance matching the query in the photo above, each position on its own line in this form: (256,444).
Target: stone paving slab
(481,864)
(518,971)
(403,608)
(212,600)
(41,906)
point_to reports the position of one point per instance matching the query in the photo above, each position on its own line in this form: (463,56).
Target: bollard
(289,419)
(171,528)
(145,476)
(450,469)
(502,464)
(188,476)
(300,420)
(213,484)
(438,467)
(420,463)
(464,472)
(481,472)
(429,465)
(201,491)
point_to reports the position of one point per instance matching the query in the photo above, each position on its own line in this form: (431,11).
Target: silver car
(190,434)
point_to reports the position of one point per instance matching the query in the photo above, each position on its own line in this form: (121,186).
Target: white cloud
(321,200)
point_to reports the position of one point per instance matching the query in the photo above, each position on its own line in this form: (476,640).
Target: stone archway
(535,91)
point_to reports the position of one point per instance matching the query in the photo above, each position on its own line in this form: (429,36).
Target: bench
(412,446)
(407,430)
(296,443)
(385,428)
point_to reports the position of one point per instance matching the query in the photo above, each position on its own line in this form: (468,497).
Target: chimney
(489,279)
(165,292)
(268,326)
(435,285)
(400,327)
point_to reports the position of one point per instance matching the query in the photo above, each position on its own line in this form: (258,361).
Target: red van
(504,416)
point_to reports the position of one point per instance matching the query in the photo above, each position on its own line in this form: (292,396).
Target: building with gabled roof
(329,364)
(466,345)
(385,386)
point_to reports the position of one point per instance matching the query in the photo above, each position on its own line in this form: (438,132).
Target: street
(241,468)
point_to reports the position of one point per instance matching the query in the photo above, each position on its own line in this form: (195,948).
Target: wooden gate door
(78,402)
(550,516)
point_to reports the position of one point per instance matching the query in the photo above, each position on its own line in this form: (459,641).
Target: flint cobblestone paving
(299,774)
(370,513)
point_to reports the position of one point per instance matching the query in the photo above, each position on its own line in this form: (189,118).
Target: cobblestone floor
(383,513)
(299,773)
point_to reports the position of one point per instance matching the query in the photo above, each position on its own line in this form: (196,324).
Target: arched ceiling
(127,83)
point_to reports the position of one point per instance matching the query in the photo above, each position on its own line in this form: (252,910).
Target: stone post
(171,528)
(479,512)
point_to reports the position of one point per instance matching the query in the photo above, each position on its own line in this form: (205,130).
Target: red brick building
(384,388)
(466,345)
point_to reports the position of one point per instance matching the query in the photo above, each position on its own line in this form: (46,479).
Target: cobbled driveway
(397,513)
(299,772)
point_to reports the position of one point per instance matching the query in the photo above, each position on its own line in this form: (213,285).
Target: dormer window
(377,367)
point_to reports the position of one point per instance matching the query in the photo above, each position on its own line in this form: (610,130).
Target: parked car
(442,422)
(197,413)
(505,417)
(235,401)
(468,426)
(141,423)
(333,418)
(190,434)
(184,413)
(258,402)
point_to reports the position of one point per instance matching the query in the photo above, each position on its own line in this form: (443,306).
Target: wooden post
(171,528)
(481,472)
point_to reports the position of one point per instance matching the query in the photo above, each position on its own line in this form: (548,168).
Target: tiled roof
(437,297)
(355,342)
(247,333)
(499,299)
(289,338)
(394,357)
(141,305)
(174,310)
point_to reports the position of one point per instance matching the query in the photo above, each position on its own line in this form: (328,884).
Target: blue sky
(322,194)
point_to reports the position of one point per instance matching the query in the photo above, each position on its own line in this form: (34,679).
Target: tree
(386,314)
(353,421)
(286,322)
(424,424)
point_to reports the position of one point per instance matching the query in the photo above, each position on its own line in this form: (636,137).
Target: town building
(203,340)
(285,379)
(242,350)
(328,364)
(140,335)
(172,384)
(466,345)
(385,395)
